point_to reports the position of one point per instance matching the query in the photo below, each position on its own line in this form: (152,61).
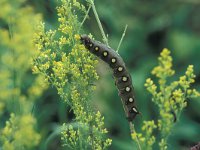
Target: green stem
(120,42)
(86,15)
(132,131)
(105,40)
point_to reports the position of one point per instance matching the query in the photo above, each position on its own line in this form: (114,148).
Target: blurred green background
(152,26)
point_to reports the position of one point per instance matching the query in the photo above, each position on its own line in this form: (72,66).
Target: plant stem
(86,15)
(132,131)
(120,42)
(105,40)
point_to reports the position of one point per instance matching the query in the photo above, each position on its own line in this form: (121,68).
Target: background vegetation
(152,26)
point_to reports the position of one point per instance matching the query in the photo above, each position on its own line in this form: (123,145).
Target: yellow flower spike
(168,98)
(134,135)
(22,28)
(77,37)
(62,40)
(61,19)
(71,67)
(82,47)
(165,52)
(17,125)
(35,69)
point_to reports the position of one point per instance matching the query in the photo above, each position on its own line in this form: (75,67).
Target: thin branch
(133,131)
(86,15)
(122,37)
(105,40)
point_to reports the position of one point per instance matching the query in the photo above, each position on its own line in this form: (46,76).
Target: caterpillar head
(85,40)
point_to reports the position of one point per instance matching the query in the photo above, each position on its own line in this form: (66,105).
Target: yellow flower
(77,37)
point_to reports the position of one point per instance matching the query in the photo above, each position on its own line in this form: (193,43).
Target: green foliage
(170,98)
(87,135)
(27,108)
(19,134)
(17,95)
(68,66)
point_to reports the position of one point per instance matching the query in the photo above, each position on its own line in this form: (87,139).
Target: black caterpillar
(123,79)
(196,147)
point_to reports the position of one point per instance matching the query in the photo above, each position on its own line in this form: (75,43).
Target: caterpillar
(122,77)
(196,147)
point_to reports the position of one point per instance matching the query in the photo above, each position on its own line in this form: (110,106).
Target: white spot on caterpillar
(91,45)
(113,60)
(105,53)
(120,69)
(134,109)
(130,99)
(96,48)
(127,89)
(124,79)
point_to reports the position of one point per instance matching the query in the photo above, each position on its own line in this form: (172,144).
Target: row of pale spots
(122,77)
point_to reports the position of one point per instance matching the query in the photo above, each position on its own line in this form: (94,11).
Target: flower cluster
(170,98)
(93,127)
(67,65)
(17,94)
(19,133)
(147,139)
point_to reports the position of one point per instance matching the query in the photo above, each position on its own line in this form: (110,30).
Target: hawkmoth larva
(122,77)
(196,147)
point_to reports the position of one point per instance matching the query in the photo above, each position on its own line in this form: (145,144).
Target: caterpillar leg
(174,115)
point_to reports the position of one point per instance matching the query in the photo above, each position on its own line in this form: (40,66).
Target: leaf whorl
(122,77)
